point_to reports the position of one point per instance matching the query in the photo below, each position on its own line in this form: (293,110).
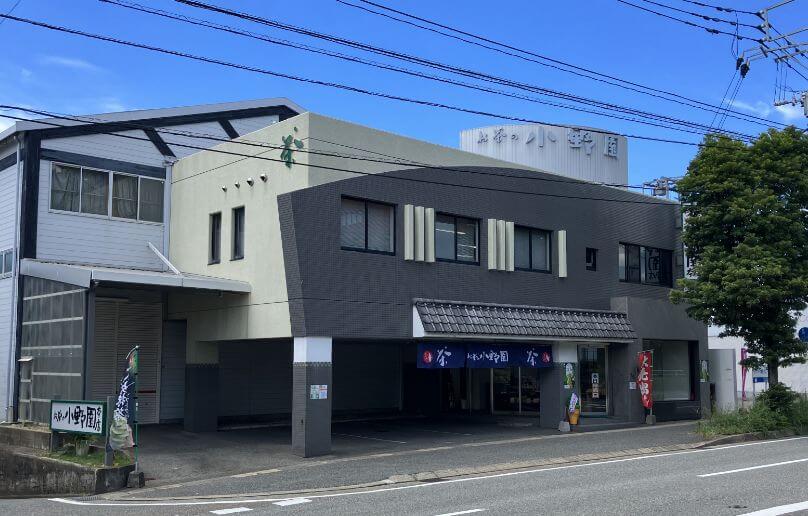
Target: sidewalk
(368,453)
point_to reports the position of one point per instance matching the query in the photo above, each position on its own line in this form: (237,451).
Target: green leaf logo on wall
(286,153)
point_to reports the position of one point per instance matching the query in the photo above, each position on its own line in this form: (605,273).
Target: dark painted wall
(341,293)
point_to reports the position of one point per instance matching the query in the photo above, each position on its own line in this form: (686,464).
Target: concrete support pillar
(201,387)
(311,396)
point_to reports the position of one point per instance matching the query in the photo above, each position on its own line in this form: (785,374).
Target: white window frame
(110,174)
(3,273)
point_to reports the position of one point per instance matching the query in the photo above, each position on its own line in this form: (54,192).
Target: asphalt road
(734,479)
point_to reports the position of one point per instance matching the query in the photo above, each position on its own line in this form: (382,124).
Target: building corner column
(311,396)
(201,387)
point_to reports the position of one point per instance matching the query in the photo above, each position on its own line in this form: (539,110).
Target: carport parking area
(170,455)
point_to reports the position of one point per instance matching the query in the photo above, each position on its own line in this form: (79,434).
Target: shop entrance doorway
(515,390)
(594,391)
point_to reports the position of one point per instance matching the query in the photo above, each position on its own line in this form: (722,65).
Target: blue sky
(69,74)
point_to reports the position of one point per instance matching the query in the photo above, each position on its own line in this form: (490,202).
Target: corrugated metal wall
(172,373)
(8,207)
(121,325)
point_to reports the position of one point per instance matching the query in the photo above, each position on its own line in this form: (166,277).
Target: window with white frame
(6,263)
(111,194)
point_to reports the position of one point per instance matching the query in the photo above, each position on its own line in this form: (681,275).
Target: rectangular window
(671,374)
(646,265)
(215,251)
(367,226)
(151,200)
(94,192)
(124,196)
(65,187)
(238,233)
(591,259)
(531,249)
(7,264)
(456,238)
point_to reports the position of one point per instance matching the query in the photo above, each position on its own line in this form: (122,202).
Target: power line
(382,175)
(722,9)
(700,128)
(690,23)
(321,83)
(432,64)
(703,16)
(253,143)
(553,63)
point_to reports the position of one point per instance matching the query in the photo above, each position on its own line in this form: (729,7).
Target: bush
(779,398)
(760,418)
(799,415)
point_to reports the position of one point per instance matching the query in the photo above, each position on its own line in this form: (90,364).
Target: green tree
(746,234)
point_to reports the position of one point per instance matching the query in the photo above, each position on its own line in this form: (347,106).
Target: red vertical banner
(644,381)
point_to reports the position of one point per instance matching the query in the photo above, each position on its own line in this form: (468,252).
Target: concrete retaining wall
(26,473)
(27,437)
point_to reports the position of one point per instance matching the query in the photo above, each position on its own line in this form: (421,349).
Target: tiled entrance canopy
(462,318)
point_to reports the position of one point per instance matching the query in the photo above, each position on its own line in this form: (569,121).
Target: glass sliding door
(594,391)
(506,389)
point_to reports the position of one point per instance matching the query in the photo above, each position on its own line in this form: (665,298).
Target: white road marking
(371,438)
(780,509)
(432,485)
(231,511)
(752,467)
(470,511)
(292,501)
(439,432)
(255,473)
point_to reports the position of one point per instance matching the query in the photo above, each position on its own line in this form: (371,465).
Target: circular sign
(427,357)
(803,334)
(545,357)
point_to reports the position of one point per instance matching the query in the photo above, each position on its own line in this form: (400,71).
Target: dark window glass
(647,265)
(456,238)
(238,233)
(124,196)
(671,370)
(531,249)
(444,237)
(366,225)
(591,259)
(215,254)
(65,184)
(151,200)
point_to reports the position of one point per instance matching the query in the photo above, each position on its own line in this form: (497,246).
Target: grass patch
(777,411)
(94,459)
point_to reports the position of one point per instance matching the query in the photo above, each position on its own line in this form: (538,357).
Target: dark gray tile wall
(341,293)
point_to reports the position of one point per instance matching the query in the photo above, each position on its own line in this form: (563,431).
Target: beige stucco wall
(197,192)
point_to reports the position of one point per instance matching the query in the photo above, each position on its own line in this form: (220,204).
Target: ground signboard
(78,417)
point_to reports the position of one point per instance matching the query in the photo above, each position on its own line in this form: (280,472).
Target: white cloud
(759,108)
(25,74)
(70,62)
(111,105)
(790,113)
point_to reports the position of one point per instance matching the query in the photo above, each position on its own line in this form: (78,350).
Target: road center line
(470,511)
(425,485)
(780,509)
(292,501)
(751,468)
(234,510)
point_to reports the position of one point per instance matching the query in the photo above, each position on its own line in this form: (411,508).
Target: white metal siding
(138,149)
(68,237)
(247,125)
(255,378)
(172,374)
(8,206)
(119,327)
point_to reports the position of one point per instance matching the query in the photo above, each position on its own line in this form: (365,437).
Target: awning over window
(82,275)
(483,320)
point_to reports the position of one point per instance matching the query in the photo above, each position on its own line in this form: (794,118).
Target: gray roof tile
(457,317)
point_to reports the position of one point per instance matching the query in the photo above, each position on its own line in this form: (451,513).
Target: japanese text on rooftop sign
(83,417)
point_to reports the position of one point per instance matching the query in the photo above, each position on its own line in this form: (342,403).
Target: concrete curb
(752,436)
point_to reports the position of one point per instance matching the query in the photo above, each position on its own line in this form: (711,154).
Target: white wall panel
(247,125)
(68,237)
(6,306)
(207,129)
(138,149)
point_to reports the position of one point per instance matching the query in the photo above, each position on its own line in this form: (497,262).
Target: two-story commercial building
(317,267)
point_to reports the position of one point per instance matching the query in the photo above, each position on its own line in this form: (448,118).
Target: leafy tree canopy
(746,235)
